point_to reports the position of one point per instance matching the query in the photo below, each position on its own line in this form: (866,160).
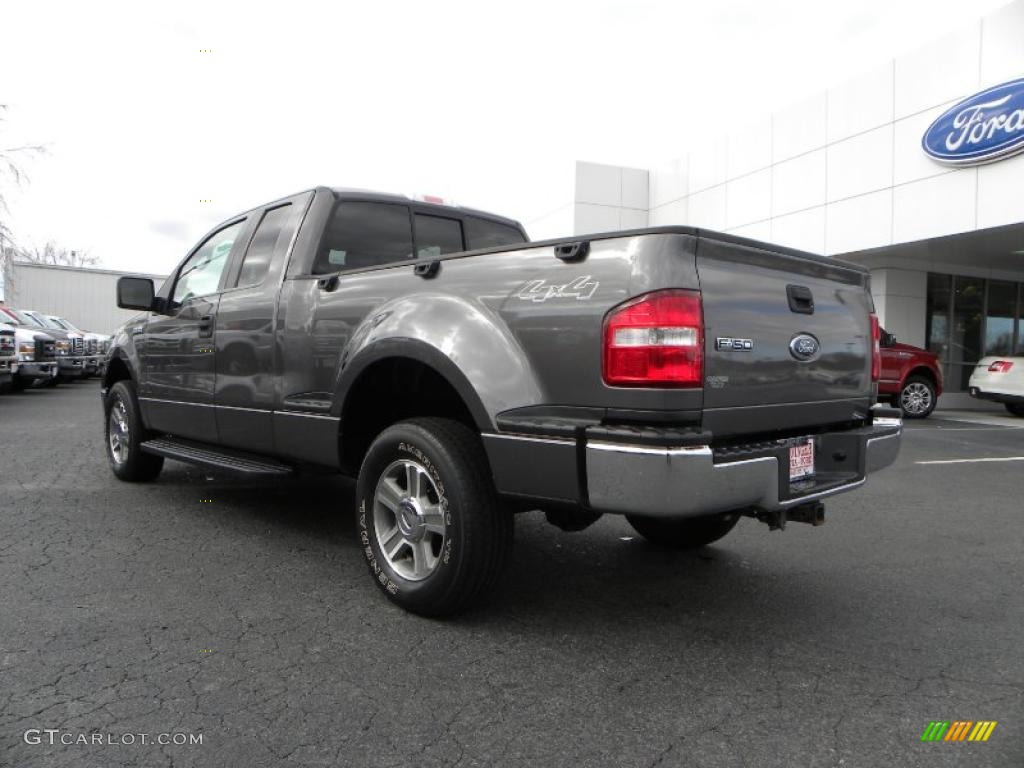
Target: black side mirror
(888,339)
(135,293)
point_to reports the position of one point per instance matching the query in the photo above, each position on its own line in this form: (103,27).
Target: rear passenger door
(246,358)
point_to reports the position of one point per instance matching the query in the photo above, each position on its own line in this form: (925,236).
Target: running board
(215,457)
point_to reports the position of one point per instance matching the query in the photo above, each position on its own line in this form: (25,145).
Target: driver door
(178,353)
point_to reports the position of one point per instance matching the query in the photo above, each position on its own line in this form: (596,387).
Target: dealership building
(846,172)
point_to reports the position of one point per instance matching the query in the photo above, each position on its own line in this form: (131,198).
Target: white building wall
(86,297)
(842,170)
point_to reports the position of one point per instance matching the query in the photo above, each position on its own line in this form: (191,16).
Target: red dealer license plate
(801,460)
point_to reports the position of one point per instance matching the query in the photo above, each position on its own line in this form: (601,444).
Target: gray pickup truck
(461,373)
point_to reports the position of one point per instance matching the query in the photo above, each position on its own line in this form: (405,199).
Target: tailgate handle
(572,251)
(801,300)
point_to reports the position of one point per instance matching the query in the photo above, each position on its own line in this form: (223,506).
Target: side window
(364,235)
(482,233)
(436,235)
(200,275)
(271,230)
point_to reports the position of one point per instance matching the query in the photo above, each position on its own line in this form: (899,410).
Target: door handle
(801,300)
(206,326)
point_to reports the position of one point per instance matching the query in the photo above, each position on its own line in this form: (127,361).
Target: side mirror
(888,339)
(135,293)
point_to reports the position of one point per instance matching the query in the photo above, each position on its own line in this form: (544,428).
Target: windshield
(62,323)
(43,321)
(20,318)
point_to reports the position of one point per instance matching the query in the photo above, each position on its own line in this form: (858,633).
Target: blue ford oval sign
(988,126)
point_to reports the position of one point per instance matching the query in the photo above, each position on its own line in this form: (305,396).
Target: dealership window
(970,317)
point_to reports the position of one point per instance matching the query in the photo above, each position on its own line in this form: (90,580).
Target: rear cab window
(437,235)
(486,233)
(364,234)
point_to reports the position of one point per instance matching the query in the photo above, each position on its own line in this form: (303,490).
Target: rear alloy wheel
(435,537)
(123,433)
(1017,409)
(684,533)
(917,398)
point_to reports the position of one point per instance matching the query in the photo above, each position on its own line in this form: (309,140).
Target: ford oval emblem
(804,347)
(986,127)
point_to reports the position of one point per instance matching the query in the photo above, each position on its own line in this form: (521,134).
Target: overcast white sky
(486,103)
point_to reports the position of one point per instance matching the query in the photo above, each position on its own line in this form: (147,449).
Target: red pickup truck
(911,377)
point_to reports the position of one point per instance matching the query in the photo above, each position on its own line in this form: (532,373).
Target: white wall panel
(598,184)
(590,218)
(676,212)
(861,104)
(860,164)
(910,163)
(1002,45)
(1001,193)
(749,149)
(858,223)
(707,164)
(804,230)
(941,205)
(799,128)
(635,188)
(668,182)
(707,208)
(945,69)
(630,218)
(748,199)
(760,230)
(798,183)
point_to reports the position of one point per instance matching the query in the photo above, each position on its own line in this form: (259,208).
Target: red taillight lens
(656,340)
(876,348)
(1001,366)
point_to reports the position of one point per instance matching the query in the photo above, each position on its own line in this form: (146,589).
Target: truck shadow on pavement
(606,572)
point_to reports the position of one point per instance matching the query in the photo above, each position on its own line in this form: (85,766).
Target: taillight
(1001,366)
(876,348)
(656,340)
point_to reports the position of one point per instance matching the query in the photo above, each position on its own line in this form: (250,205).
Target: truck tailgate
(771,361)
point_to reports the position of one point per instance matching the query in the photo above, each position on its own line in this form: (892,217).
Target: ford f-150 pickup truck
(911,377)
(681,377)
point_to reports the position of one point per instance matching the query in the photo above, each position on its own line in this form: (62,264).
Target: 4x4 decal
(581,288)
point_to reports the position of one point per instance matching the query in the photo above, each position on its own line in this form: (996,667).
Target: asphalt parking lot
(243,613)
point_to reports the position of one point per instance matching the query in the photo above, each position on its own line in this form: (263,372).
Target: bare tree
(51,253)
(13,174)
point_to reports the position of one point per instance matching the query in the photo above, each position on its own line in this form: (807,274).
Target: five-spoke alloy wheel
(432,530)
(123,431)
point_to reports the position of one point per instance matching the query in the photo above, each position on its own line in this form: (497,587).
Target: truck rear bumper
(699,480)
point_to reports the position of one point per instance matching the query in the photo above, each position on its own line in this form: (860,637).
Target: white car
(1000,379)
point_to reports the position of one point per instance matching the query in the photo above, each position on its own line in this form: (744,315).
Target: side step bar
(215,457)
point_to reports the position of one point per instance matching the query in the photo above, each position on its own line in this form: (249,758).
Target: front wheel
(684,533)
(123,434)
(435,537)
(1017,409)
(917,397)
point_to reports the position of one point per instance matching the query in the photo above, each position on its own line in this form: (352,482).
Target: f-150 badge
(736,345)
(581,288)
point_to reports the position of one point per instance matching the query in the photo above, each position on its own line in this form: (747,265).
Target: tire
(51,383)
(18,384)
(917,397)
(684,533)
(1017,409)
(448,537)
(123,433)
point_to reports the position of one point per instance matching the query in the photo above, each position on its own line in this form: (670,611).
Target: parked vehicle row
(37,349)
